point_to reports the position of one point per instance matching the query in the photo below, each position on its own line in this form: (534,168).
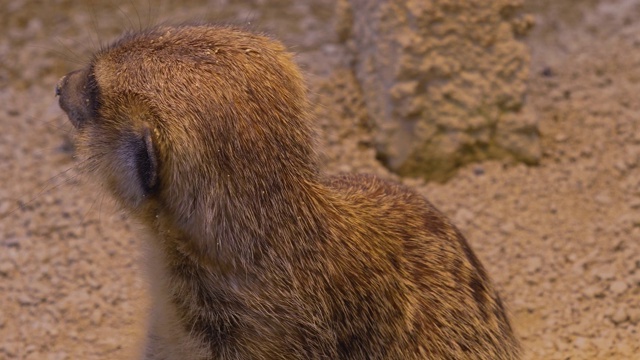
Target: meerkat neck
(247,223)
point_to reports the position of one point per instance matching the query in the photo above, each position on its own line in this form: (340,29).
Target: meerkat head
(189,118)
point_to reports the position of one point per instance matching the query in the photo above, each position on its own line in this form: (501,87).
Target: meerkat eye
(146,162)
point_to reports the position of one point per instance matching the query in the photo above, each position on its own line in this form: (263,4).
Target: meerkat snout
(78,96)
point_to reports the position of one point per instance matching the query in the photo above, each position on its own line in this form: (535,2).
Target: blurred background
(518,119)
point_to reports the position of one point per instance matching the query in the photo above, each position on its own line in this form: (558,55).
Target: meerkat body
(201,133)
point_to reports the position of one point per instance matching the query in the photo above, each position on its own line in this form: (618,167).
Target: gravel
(561,239)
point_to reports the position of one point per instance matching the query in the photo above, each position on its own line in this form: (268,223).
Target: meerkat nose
(59,85)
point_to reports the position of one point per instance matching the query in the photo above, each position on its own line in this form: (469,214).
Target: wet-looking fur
(201,133)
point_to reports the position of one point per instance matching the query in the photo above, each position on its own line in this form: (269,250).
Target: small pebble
(534,264)
(96,317)
(478,170)
(592,291)
(60,355)
(618,287)
(603,199)
(6,267)
(507,227)
(561,137)
(463,216)
(634,316)
(604,272)
(619,316)
(580,342)
(547,72)
(25,299)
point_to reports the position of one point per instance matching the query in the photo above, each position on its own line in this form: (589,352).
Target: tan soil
(562,239)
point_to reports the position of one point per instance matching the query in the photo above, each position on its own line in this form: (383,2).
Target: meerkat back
(202,134)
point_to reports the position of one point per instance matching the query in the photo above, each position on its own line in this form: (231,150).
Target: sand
(560,239)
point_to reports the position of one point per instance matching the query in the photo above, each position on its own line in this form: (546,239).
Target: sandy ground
(561,239)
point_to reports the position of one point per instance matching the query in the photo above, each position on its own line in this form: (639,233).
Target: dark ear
(146,163)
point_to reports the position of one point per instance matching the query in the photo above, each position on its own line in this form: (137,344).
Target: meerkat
(202,134)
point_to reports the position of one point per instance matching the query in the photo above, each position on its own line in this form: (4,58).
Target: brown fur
(201,133)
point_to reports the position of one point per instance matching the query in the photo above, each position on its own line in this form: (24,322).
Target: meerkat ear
(146,162)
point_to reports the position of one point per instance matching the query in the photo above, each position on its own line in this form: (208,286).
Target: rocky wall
(444,82)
